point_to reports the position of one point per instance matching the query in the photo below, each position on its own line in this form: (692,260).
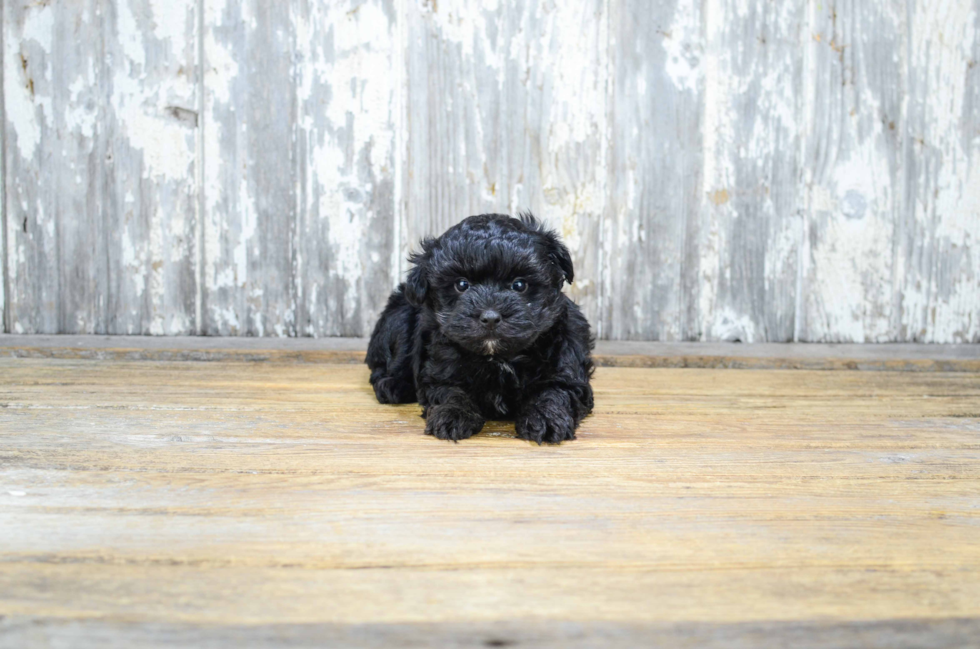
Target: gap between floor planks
(804,356)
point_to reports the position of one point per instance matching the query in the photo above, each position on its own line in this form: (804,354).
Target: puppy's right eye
(461,285)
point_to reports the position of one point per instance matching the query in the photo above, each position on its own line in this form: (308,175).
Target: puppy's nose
(490,318)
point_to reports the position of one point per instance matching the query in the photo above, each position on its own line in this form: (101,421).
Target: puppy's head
(492,282)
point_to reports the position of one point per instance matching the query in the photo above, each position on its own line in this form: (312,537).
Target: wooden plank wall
(722,170)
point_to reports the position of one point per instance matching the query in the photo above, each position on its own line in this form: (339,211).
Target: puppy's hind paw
(392,390)
(537,426)
(452,423)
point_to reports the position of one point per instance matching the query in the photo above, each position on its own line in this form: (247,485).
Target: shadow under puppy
(481,330)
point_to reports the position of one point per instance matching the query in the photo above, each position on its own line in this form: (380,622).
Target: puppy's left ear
(554,248)
(558,254)
(417,282)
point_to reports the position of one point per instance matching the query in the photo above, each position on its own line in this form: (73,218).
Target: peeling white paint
(942,304)
(718,135)
(214,207)
(81,115)
(39,25)
(852,267)
(167,147)
(682,44)
(729,326)
(221,71)
(248,215)
(353,126)
(170,24)
(574,65)
(505,108)
(130,37)
(20,100)
(134,261)
(141,106)
(360,67)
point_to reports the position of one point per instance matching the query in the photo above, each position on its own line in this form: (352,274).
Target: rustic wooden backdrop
(723,169)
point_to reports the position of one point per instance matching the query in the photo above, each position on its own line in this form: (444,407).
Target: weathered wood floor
(213,503)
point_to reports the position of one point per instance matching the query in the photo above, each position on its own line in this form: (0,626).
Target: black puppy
(481,330)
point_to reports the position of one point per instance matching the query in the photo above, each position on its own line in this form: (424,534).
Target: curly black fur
(487,347)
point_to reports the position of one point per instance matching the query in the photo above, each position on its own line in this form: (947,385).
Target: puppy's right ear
(417,282)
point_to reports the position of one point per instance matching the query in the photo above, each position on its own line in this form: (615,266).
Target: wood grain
(507,112)
(209,496)
(650,268)
(936,241)
(151,190)
(299,146)
(4,256)
(249,284)
(54,142)
(853,170)
(722,170)
(345,75)
(751,204)
(101,128)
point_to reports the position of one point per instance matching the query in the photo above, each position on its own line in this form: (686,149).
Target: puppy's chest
(498,387)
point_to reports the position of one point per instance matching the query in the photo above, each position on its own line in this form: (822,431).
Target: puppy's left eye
(519,285)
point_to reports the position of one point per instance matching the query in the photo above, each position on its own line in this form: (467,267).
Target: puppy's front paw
(450,422)
(545,425)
